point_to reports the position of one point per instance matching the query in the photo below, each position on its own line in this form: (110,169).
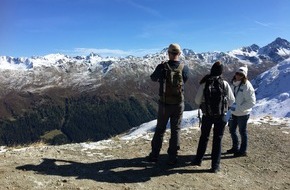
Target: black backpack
(215,97)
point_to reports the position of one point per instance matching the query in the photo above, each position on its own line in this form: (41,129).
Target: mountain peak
(253,47)
(278,50)
(280,42)
(92,54)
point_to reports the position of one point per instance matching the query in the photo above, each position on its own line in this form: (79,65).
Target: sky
(137,27)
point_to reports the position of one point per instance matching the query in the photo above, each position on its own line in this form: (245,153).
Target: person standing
(245,100)
(171,76)
(213,96)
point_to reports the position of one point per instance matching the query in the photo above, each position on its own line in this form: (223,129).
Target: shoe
(195,163)
(151,158)
(232,151)
(214,170)
(240,154)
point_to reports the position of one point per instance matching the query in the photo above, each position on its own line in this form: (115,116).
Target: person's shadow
(113,171)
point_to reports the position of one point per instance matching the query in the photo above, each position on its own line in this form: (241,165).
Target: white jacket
(199,98)
(245,98)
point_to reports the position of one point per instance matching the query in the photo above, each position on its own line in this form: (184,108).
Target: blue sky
(137,27)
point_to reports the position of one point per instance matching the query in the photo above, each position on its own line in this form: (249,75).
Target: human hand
(233,107)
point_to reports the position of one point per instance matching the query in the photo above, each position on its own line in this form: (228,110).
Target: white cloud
(264,24)
(110,52)
(102,52)
(146,9)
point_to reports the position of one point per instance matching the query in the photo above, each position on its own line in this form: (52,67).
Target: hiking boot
(214,170)
(232,151)
(240,154)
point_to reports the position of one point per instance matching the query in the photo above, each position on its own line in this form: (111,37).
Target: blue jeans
(241,122)
(218,131)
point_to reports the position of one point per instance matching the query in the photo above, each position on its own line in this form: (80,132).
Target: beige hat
(243,70)
(174,48)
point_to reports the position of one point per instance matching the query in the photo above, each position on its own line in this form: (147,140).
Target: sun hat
(174,48)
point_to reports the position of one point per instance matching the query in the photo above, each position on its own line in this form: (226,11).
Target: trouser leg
(218,132)
(233,124)
(242,123)
(162,120)
(175,126)
(204,137)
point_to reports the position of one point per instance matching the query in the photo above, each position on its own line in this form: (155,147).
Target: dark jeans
(165,112)
(241,122)
(218,131)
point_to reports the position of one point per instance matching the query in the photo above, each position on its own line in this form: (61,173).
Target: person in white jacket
(245,100)
(209,119)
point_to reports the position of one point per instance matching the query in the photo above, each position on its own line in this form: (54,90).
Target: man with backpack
(214,96)
(171,76)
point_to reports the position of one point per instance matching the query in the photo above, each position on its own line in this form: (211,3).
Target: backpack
(215,97)
(173,84)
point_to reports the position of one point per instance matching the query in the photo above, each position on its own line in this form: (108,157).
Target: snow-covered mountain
(273,103)
(74,99)
(273,91)
(276,51)
(38,73)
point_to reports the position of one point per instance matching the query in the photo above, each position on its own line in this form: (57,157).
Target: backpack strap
(236,93)
(205,108)
(165,73)
(224,95)
(180,66)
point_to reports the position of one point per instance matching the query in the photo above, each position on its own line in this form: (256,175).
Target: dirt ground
(119,164)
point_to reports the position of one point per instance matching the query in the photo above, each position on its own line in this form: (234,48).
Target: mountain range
(60,99)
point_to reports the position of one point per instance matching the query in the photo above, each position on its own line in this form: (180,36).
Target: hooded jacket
(245,98)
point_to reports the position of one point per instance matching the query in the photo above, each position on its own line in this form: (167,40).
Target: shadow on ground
(115,171)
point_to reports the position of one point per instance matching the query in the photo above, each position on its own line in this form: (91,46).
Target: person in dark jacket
(170,105)
(218,121)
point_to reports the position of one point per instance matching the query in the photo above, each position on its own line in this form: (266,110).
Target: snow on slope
(273,91)
(272,107)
